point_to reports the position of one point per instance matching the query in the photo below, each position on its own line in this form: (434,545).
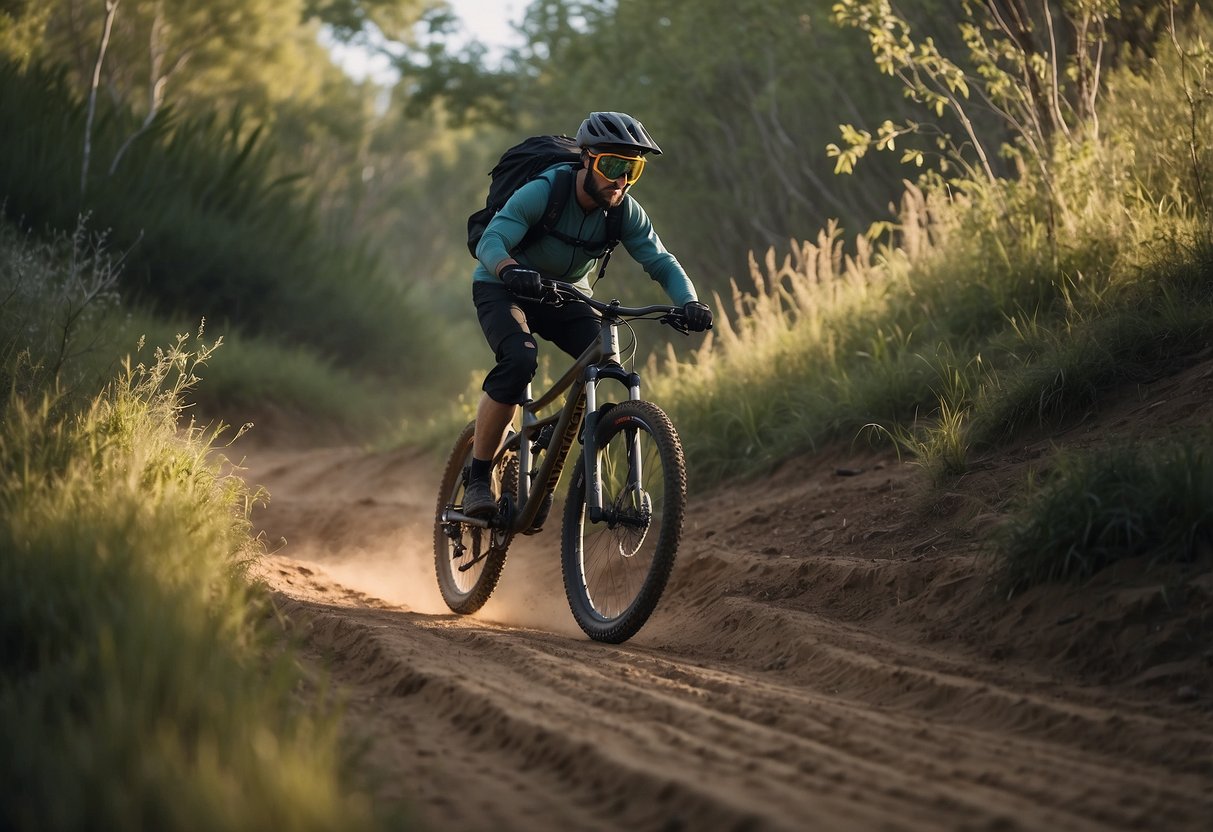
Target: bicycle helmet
(617,129)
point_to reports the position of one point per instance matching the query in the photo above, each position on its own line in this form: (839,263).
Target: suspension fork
(590,458)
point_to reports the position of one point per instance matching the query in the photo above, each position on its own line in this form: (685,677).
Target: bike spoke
(616,569)
(468,559)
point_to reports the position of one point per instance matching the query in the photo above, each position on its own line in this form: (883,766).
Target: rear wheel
(467,558)
(615,570)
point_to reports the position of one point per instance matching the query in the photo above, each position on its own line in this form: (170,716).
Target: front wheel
(467,558)
(615,570)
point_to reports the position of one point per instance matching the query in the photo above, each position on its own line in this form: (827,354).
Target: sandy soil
(829,655)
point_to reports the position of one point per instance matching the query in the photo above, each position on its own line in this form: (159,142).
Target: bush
(207,228)
(1094,509)
(135,690)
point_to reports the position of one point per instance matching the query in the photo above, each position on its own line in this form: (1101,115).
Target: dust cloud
(400,572)
(531,591)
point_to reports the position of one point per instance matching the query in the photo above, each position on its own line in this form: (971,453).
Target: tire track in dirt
(727,712)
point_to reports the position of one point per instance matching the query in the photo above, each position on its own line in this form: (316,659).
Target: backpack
(524,162)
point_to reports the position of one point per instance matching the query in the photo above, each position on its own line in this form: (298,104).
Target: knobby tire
(614,577)
(464,592)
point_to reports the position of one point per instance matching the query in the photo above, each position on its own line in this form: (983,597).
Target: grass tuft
(1094,509)
(135,690)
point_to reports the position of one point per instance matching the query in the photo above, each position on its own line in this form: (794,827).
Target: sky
(488,21)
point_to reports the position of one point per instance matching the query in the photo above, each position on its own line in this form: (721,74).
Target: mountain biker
(506,283)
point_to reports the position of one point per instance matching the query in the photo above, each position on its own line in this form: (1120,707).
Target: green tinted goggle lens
(613,167)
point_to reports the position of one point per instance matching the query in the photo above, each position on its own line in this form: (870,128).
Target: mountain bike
(626,498)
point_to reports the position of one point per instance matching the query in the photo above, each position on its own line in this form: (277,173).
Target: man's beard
(597,193)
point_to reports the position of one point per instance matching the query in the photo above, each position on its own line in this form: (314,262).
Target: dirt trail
(828,656)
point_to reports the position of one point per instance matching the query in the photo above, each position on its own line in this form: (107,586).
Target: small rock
(1187,693)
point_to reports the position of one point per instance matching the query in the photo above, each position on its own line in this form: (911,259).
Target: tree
(111,10)
(736,90)
(22,24)
(1035,66)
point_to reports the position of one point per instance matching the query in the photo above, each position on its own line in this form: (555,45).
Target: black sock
(481,468)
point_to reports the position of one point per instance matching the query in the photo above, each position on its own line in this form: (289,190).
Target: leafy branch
(928,77)
(1038,74)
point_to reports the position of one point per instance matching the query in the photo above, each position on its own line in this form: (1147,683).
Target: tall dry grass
(144,680)
(140,687)
(966,321)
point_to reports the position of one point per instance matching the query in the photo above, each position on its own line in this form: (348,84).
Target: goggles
(612,166)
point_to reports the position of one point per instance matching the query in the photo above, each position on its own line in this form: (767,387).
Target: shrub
(1094,509)
(135,691)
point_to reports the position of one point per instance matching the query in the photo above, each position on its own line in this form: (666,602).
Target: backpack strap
(614,233)
(558,197)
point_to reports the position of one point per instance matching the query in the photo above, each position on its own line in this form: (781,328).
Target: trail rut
(825,658)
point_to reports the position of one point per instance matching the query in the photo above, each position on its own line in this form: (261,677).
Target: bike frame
(597,363)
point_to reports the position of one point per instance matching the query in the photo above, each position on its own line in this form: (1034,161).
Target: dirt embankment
(828,656)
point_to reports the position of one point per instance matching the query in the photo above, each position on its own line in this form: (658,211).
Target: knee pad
(517,360)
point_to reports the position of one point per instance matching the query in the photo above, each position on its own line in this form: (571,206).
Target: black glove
(698,315)
(522,281)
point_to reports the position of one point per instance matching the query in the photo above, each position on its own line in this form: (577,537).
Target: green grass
(59,313)
(143,677)
(1072,369)
(137,688)
(1093,509)
(968,324)
(207,228)
(286,387)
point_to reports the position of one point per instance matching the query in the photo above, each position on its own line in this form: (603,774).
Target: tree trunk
(111,9)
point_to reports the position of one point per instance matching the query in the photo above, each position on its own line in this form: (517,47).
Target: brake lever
(676,322)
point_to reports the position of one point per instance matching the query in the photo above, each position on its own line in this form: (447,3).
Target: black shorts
(572,327)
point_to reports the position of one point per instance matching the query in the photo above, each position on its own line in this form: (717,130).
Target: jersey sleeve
(508,226)
(643,244)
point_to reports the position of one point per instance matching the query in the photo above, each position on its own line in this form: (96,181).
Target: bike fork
(590,460)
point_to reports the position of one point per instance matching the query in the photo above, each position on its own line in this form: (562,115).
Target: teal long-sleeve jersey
(558,260)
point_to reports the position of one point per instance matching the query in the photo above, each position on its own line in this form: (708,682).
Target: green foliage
(1037,71)
(928,78)
(21,25)
(207,228)
(354,19)
(135,689)
(817,350)
(733,91)
(965,329)
(272,385)
(1067,370)
(199,57)
(1092,510)
(58,312)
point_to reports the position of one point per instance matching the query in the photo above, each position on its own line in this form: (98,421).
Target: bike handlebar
(673,316)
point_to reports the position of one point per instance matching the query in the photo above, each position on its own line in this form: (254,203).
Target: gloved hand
(522,281)
(699,316)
